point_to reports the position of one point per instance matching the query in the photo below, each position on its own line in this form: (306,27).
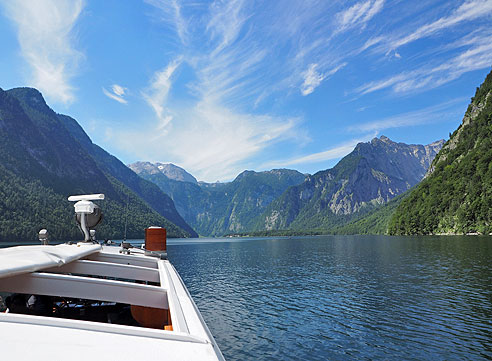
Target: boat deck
(104,275)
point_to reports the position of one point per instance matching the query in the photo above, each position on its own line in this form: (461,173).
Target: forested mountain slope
(456,195)
(41,163)
(214,209)
(112,166)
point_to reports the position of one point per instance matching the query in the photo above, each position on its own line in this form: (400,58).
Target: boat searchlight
(87,214)
(43,236)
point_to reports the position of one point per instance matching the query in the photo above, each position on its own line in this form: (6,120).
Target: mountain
(249,194)
(41,163)
(170,170)
(214,209)
(371,175)
(112,166)
(456,195)
(376,221)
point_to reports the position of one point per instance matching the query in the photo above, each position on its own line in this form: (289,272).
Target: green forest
(456,198)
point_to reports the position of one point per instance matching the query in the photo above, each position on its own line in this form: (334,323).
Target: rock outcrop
(372,174)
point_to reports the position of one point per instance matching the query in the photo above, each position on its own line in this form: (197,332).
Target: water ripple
(338,298)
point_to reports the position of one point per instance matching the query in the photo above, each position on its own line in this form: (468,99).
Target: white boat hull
(88,271)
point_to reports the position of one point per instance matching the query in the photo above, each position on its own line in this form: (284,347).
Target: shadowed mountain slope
(41,163)
(111,165)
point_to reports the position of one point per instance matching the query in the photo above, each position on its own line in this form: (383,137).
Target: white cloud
(226,22)
(468,11)
(219,140)
(212,142)
(157,93)
(118,93)
(429,77)
(369,43)
(46,42)
(218,133)
(233,53)
(381,84)
(236,49)
(336,152)
(237,57)
(359,14)
(312,79)
(444,111)
(171,13)
(118,89)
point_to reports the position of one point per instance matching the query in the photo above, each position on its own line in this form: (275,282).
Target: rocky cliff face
(170,170)
(372,174)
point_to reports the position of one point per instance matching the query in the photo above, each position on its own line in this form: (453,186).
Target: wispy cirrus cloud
(238,59)
(217,135)
(449,110)
(312,79)
(156,94)
(45,34)
(235,54)
(234,45)
(117,93)
(468,11)
(226,22)
(217,143)
(335,152)
(359,14)
(444,63)
(433,76)
(224,140)
(171,13)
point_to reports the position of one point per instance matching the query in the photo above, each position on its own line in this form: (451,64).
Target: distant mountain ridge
(41,163)
(168,169)
(456,195)
(371,175)
(214,209)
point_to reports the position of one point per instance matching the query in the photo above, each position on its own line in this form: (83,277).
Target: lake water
(343,297)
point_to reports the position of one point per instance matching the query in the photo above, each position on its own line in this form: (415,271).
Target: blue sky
(218,87)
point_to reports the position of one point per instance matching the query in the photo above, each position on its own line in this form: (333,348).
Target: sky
(218,87)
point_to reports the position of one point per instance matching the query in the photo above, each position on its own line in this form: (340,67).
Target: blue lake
(343,297)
